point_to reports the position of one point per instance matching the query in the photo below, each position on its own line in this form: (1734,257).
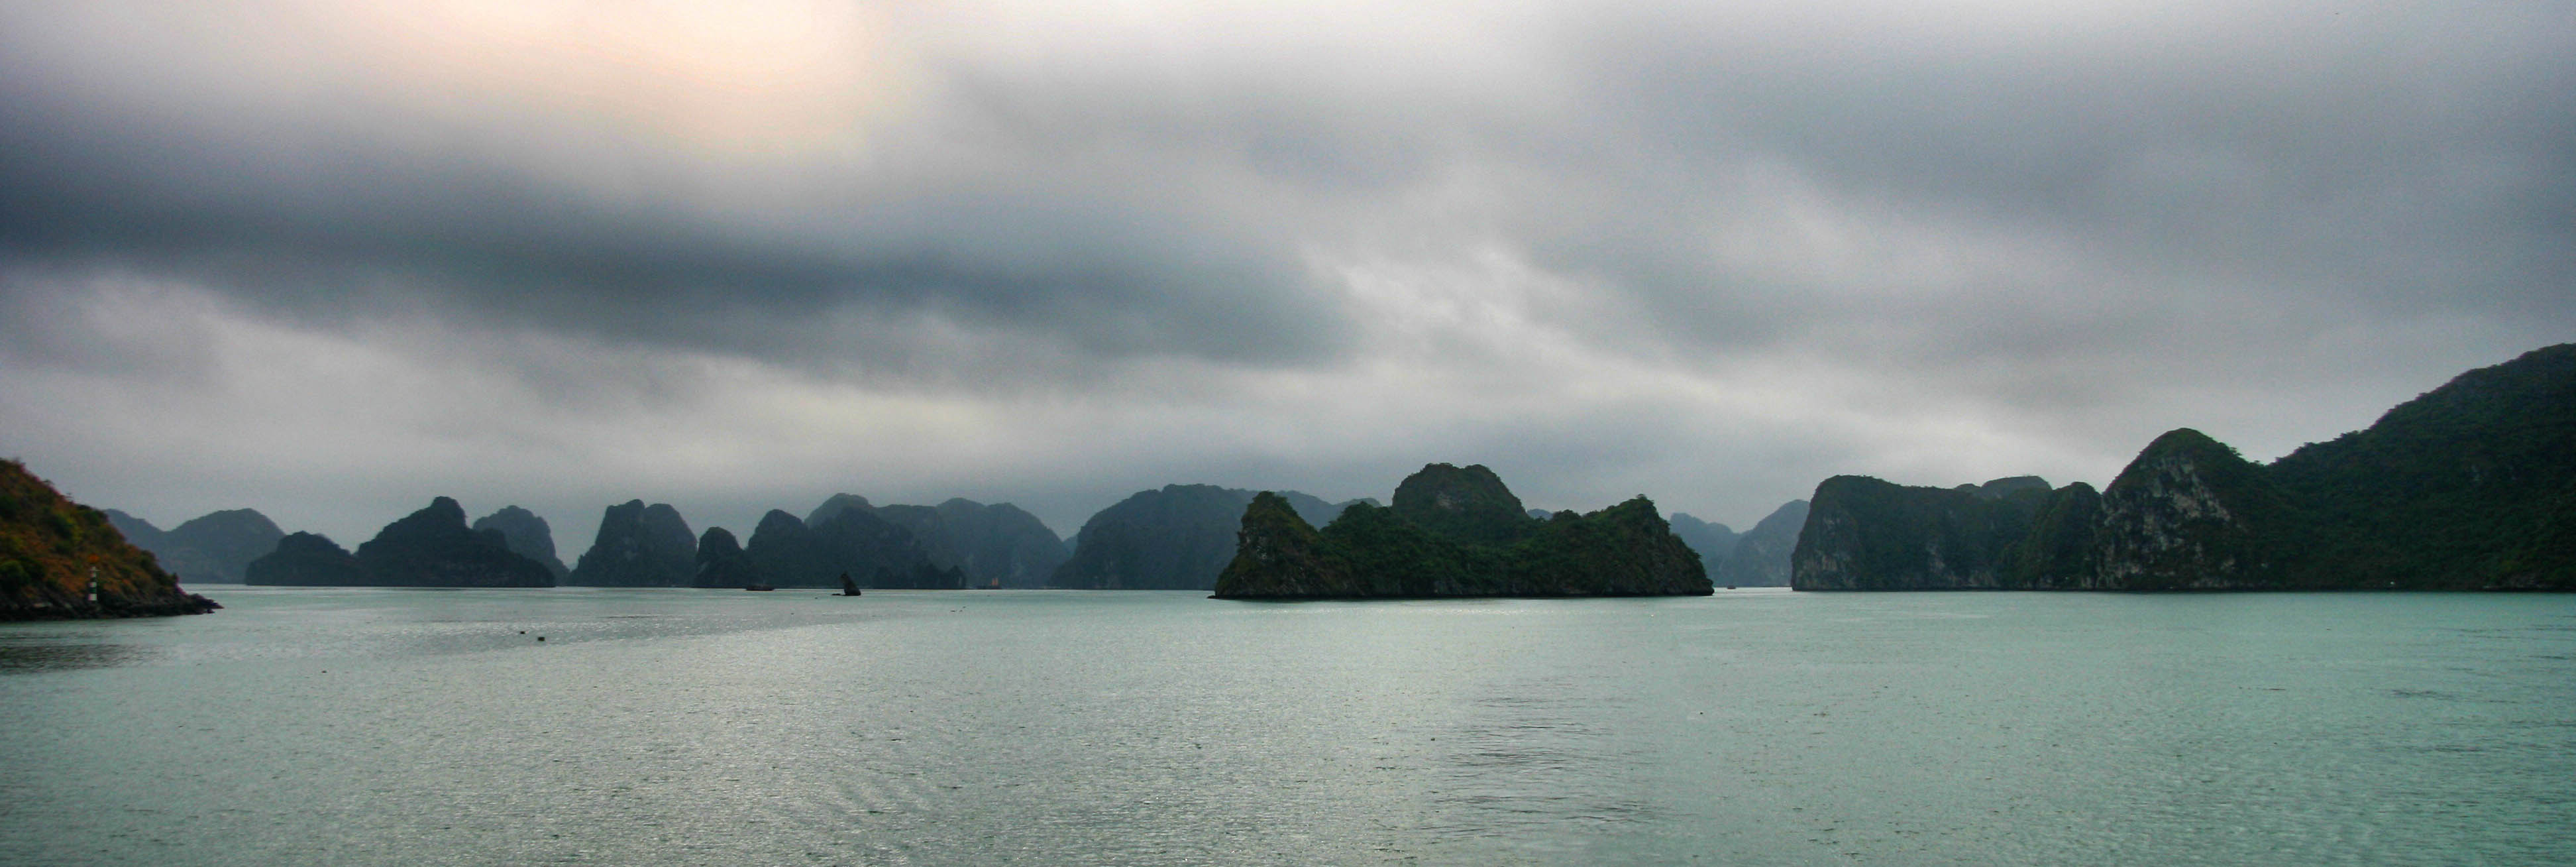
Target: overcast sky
(330,259)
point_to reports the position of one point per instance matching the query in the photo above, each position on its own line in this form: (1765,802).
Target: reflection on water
(1531,756)
(24,655)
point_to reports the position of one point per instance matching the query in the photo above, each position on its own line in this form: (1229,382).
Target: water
(1753,727)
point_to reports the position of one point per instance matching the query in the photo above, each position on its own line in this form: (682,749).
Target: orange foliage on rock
(49,547)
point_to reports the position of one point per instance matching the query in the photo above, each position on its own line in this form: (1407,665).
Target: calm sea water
(1753,727)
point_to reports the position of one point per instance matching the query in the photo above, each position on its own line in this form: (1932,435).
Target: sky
(331,259)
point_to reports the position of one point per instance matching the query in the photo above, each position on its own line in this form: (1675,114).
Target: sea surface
(371,726)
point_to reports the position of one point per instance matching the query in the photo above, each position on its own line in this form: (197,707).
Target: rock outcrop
(53,551)
(851,538)
(1278,554)
(307,560)
(1866,534)
(1457,531)
(2058,551)
(429,548)
(2469,486)
(2004,487)
(527,534)
(1175,538)
(2188,514)
(1761,557)
(722,563)
(783,548)
(1469,504)
(433,548)
(139,532)
(212,548)
(639,546)
(835,505)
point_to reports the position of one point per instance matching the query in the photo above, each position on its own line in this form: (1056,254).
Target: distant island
(2471,486)
(1760,558)
(63,560)
(638,546)
(526,535)
(212,548)
(956,544)
(432,547)
(1457,531)
(1174,538)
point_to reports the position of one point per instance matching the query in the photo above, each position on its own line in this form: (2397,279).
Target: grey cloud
(303,207)
(2294,150)
(1119,207)
(2064,226)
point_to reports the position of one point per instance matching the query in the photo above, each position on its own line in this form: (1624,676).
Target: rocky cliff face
(2188,514)
(433,548)
(1176,538)
(210,548)
(722,563)
(1866,534)
(639,546)
(306,560)
(1761,557)
(2470,486)
(2058,553)
(1280,553)
(1481,543)
(782,548)
(528,535)
(52,549)
(1467,503)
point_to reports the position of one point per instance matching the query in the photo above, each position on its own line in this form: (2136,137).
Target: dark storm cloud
(330,203)
(2396,157)
(1724,248)
(2390,157)
(309,235)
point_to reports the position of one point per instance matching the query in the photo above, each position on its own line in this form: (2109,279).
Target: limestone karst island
(1457,531)
(63,560)
(2471,486)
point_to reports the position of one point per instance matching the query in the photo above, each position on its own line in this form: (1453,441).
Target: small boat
(758,587)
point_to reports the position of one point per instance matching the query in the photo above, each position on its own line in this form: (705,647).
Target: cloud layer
(330,259)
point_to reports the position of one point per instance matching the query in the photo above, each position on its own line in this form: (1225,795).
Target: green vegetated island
(2471,486)
(1457,531)
(60,560)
